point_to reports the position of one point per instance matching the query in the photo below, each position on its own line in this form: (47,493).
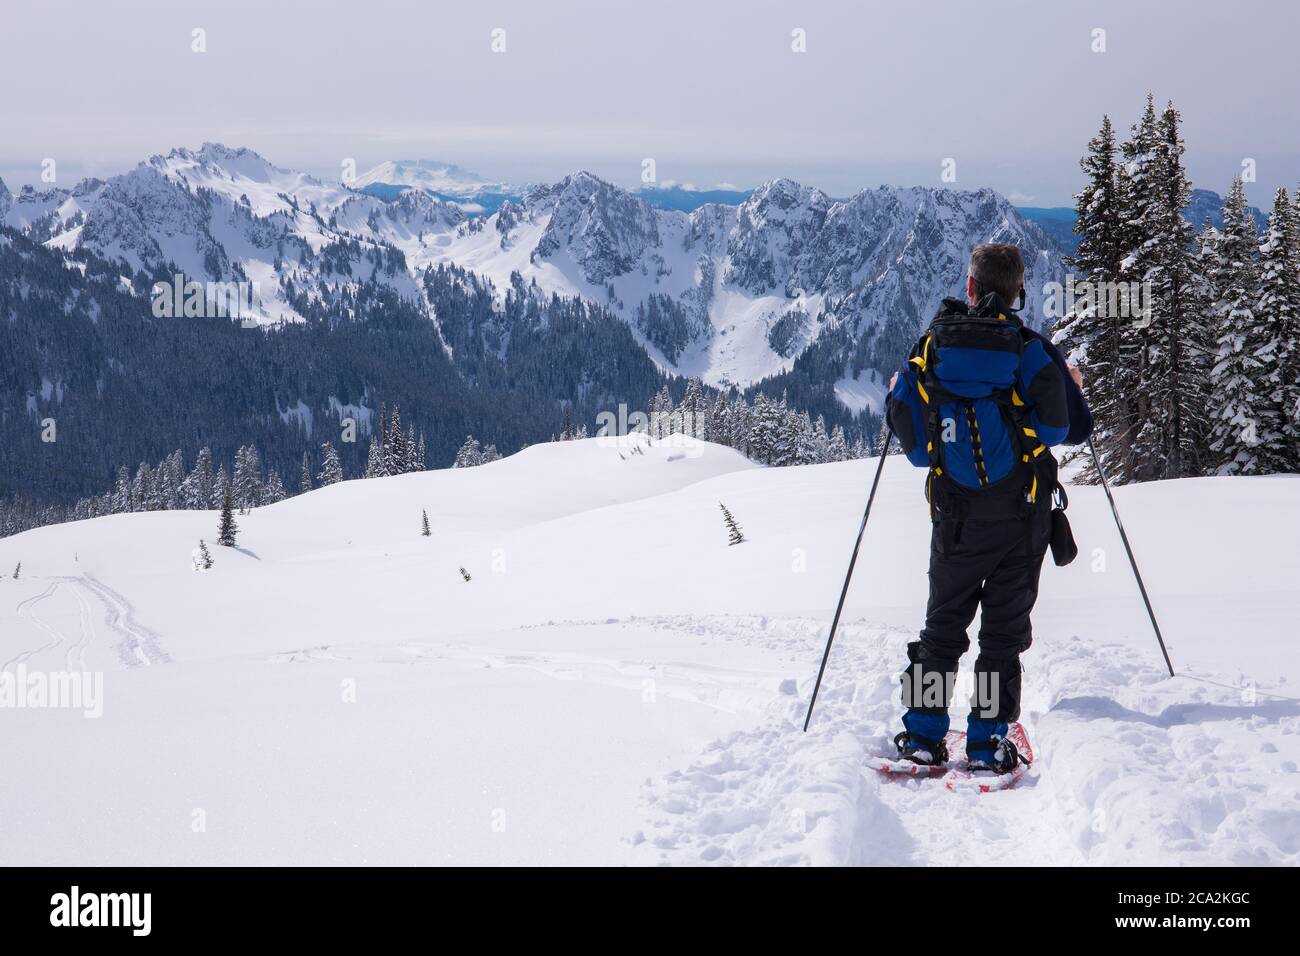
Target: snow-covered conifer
(734,534)
(331,472)
(227,529)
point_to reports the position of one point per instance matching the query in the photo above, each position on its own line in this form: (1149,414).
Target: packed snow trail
(1131,766)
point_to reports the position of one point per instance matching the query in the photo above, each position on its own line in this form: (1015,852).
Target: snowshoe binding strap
(1005,758)
(921,750)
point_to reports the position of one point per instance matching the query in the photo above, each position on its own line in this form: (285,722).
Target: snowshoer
(979,404)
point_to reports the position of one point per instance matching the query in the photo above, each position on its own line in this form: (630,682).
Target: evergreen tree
(274,490)
(170,477)
(801,445)
(691,411)
(219,483)
(1277,314)
(469,455)
(567,434)
(761,439)
(375,458)
(121,502)
(1240,378)
(196,489)
(18,570)
(821,442)
(1171,389)
(247,481)
(142,488)
(718,427)
(424,523)
(205,556)
(661,414)
(395,450)
(1286,257)
(331,472)
(741,417)
(304,478)
(734,534)
(377,461)
(227,530)
(1093,334)
(1138,193)
(837,448)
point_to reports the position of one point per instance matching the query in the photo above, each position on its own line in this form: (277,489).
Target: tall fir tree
(197,488)
(227,529)
(1289,359)
(1172,391)
(1276,313)
(304,477)
(1138,195)
(691,410)
(274,489)
(247,480)
(331,472)
(121,499)
(1239,379)
(219,482)
(1093,333)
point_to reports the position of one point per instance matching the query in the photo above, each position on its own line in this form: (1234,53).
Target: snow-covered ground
(616,685)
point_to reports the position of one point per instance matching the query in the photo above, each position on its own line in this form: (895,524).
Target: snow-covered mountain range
(731,293)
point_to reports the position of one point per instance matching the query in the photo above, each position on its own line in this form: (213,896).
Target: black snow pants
(992,565)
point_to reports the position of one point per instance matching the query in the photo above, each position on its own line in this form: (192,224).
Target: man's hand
(892,381)
(1074,374)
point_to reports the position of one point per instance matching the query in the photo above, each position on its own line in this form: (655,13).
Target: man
(979,403)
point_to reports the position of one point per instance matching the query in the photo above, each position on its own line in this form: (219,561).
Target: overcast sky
(711,90)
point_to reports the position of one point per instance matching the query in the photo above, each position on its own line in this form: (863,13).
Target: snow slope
(617,685)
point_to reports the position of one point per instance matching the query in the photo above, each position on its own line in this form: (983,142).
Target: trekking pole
(884,453)
(1132,562)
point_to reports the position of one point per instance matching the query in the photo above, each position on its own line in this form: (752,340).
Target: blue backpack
(974,371)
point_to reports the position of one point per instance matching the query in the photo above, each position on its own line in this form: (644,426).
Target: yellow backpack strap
(921,362)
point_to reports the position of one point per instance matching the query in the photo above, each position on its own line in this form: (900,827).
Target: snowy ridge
(757,284)
(730,293)
(616,684)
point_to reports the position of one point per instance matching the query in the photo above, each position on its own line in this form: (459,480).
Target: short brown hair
(998,267)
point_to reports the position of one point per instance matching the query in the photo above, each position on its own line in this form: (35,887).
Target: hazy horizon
(714,94)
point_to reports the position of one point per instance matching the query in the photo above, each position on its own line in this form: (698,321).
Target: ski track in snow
(1131,765)
(139,646)
(24,609)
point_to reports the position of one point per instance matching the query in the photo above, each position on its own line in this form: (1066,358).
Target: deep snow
(617,685)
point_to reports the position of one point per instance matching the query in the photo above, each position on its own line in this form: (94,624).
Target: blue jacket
(978,448)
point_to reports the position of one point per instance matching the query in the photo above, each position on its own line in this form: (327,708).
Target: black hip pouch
(1064,550)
